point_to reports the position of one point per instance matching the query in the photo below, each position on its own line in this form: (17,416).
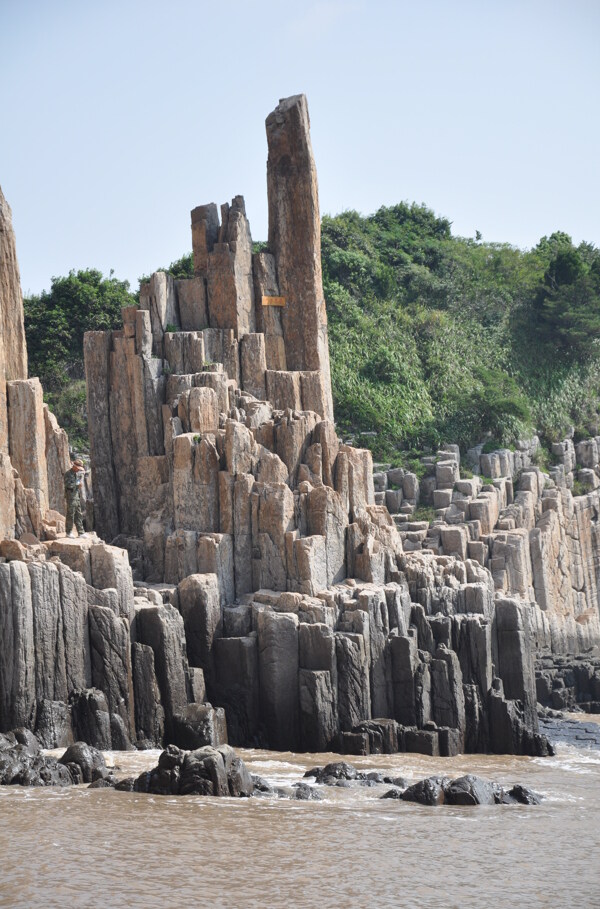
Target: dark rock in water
(396,781)
(426,792)
(197,725)
(339,770)
(74,771)
(304,792)
(27,740)
(171,757)
(392,794)
(22,764)
(127,785)
(262,785)
(240,781)
(470,790)
(205,771)
(108,783)
(89,760)
(375,777)
(465,790)
(521,795)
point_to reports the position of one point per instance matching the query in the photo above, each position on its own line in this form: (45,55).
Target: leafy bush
(69,406)
(56,321)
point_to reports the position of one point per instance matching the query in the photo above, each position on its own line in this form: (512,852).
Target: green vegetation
(180,268)
(423,513)
(438,338)
(433,338)
(55,322)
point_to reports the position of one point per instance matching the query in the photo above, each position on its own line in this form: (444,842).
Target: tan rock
(11,300)
(96,350)
(205,232)
(7,498)
(191,299)
(143,334)
(218,382)
(159,298)
(203,410)
(58,461)
(295,239)
(195,484)
(27,436)
(268,318)
(283,390)
(230,285)
(254,365)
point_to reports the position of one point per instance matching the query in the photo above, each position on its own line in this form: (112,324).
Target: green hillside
(433,338)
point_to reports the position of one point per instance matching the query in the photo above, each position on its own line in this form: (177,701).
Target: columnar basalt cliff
(34,451)
(257,586)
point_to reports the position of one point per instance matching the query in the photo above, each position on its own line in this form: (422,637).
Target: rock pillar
(13,351)
(295,240)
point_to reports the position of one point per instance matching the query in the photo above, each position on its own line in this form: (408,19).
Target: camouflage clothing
(74,513)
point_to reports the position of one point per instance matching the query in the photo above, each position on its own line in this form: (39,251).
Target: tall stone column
(295,240)
(13,350)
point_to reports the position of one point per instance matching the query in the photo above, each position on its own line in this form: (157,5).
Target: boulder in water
(89,760)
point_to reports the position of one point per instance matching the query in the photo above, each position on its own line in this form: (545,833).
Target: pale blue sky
(119,117)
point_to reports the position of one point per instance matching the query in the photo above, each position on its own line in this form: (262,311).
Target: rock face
(13,351)
(34,451)
(277,601)
(295,240)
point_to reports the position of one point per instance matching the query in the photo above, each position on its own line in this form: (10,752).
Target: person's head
(77,465)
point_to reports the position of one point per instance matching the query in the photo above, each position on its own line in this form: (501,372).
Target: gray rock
(89,760)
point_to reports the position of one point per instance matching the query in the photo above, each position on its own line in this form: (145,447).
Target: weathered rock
(426,792)
(236,686)
(278,668)
(162,629)
(149,713)
(89,760)
(27,436)
(318,721)
(200,606)
(17,647)
(197,725)
(13,349)
(353,680)
(91,718)
(111,663)
(470,790)
(295,239)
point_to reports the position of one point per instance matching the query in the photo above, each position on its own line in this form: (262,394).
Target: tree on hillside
(568,301)
(56,321)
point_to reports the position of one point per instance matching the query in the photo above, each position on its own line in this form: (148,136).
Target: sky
(120,117)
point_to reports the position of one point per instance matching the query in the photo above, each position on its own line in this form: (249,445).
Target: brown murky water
(80,848)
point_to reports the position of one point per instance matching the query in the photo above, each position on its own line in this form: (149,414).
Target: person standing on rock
(73,483)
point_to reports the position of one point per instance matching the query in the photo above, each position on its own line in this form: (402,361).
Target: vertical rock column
(295,240)
(96,350)
(229,269)
(27,437)
(13,351)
